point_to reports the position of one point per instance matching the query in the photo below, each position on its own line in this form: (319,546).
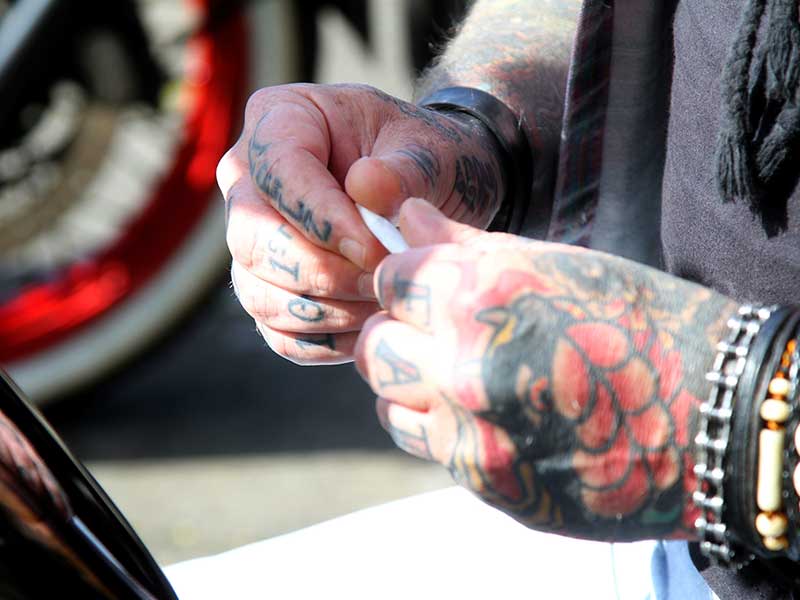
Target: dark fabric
(581,153)
(748,255)
(608,190)
(760,118)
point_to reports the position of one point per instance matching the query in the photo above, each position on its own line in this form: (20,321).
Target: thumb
(421,224)
(382,182)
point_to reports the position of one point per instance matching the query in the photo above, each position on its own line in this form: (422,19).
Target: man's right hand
(302,256)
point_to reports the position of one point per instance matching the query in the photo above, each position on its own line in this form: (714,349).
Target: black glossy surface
(90,506)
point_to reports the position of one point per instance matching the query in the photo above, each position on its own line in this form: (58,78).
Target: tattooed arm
(559,384)
(519,51)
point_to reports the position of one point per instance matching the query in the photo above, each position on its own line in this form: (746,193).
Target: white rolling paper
(382,228)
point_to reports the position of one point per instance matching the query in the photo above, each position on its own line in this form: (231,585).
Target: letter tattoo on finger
(278,248)
(306,310)
(409,292)
(261,171)
(403,372)
(327,340)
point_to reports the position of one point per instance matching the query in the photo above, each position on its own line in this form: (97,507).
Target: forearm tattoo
(591,372)
(517,50)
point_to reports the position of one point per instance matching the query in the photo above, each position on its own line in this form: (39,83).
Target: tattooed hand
(302,256)
(559,384)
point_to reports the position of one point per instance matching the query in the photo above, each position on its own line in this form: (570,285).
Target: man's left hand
(557,383)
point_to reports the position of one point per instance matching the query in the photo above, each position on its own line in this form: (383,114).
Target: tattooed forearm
(518,50)
(592,371)
(306,310)
(261,171)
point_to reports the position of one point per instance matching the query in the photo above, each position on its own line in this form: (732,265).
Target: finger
(425,287)
(422,224)
(409,429)
(400,363)
(287,158)
(279,309)
(270,248)
(383,180)
(310,348)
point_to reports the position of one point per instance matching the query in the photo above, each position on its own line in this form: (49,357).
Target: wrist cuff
(517,157)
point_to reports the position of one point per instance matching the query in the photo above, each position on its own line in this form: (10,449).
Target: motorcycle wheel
(132,232)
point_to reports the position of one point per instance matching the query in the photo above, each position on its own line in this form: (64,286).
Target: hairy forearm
(518,50)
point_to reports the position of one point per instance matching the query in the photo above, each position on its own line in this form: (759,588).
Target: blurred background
(116,316)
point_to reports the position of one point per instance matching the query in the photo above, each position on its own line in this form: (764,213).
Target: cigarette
(382,228)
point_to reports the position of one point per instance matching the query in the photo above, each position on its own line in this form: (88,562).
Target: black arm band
(517,158)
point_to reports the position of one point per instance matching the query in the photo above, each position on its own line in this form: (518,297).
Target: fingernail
(353,251)
(365,287)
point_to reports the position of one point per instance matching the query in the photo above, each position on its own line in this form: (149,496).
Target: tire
(92,314)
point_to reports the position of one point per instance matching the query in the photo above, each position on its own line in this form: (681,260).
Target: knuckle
(248,243)
(341,319)
(259,305)
(360,358)
(261,100)
(321,278)
(228,171)
(243,245)
(277,343)
(257,102)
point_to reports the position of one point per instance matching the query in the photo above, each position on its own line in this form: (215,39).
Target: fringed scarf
(760,122)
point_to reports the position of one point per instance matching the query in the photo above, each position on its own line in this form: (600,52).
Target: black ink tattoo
(415,443)
(272,186)
(403,371)
(426,162)
(436,121)
(328,340)
(476,182)
(306,310)
(279,266)
(279,250)
(409,292)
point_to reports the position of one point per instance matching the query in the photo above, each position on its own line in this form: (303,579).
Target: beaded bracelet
(714,430)
(741,477)
(775,410)
(791,473)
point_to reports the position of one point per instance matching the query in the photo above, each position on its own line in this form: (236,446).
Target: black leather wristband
(517,157)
